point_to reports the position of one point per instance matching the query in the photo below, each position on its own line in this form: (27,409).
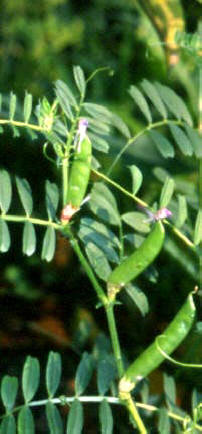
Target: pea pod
(151,358)
(80,173)
(140,259)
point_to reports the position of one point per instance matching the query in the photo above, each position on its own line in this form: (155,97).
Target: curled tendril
(58,151)
(46,155)
(164,354)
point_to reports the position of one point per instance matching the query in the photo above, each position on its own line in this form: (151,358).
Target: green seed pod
(139,260)
(80,173)
(172,337)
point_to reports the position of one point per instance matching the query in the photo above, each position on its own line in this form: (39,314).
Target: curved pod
(172,337)
(140,259)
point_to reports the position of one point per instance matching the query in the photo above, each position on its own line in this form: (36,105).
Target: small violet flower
(161,214)
(81,132)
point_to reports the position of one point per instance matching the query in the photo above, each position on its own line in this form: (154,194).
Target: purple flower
(83,124)
(81,132)
(161,214)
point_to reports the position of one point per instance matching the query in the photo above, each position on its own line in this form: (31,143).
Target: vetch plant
(73,129)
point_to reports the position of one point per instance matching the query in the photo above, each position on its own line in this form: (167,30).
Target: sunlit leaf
(52,198)
(182,210)
(29,239)
(98,261)
(98,126)
(118,123)
(60,128)
(167,192)
(174,103)
(5,240)
(97,233)
(75,418)
(62,96)
(182,140)
(25,421)
(154,96)
(8,425)
(137,221)
(27,106)
(138,297)
(79,79)
(137,178)
(49,241)
(106,418)
(99,143)
(95,164)
(9,387)
(54,419)
(25,194)
(163,145)
(65,92)
(103,204)
(195,139)
(5,190)
(140,100)
(98,111)
(30,378)
(12,105)
(53,373)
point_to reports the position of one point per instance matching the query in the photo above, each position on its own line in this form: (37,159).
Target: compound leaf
(30,378)
(25,194)
(140,100)
(155,98)
(5,190)
(25,421)
(75,418)
(29,239)
(106,418)
(53,373)
(5,240)
(49,241)
(79,78)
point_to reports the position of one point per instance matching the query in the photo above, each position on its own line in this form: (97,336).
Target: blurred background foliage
(40,41)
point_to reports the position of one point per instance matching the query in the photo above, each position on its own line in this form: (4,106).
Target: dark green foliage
(83,373)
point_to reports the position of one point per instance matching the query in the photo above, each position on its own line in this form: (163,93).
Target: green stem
(114,337)
(23,124)
(133,139)
(200,161)
(140,202)
(100,293)
(103,298)
(22,219)
(65,166)
(131,407)
(95,400)
(118,187)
